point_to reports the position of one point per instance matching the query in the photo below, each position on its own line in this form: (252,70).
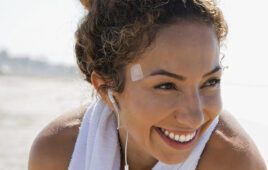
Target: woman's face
(169,108)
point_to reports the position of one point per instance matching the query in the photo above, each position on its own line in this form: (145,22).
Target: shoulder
(231,148)
(53,147)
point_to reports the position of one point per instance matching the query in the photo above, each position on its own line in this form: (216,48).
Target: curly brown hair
(115,32)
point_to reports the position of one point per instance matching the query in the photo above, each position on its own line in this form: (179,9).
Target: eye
(166,86)
(211,83)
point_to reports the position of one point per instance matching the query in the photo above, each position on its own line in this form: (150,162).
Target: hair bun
(86,3)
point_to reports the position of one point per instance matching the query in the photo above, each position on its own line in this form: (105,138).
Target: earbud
(111,97)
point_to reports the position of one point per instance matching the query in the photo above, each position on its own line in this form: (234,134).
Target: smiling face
(167,111)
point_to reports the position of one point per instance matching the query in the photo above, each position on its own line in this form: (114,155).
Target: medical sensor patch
(136,72)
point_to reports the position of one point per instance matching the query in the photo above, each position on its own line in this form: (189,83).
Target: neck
(136,156)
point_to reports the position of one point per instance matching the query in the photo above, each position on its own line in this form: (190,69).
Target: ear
(97,81)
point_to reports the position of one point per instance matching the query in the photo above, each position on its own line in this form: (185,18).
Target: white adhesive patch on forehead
(136,72)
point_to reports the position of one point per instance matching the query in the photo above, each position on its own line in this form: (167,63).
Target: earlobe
(96,81)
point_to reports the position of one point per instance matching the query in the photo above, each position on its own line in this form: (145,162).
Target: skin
(183,105)
(177,104)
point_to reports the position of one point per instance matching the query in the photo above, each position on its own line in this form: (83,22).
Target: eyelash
(171,86)
(214,81)
(167,86)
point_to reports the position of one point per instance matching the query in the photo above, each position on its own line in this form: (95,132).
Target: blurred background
(39,79)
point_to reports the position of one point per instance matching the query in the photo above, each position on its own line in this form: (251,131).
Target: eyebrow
(216,69)
(180,77)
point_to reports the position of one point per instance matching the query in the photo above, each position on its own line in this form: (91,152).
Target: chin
(174,159)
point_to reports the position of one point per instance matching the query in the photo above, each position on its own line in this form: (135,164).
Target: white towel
(97,146)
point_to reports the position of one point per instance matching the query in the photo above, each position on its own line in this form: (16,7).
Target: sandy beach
(27,104)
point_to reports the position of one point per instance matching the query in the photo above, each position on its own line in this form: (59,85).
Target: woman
(155,66)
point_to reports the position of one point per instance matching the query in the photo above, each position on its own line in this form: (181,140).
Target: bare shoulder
(53,147)
(230,148)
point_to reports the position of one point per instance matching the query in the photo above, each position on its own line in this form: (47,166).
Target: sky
(45,30)
(40,29)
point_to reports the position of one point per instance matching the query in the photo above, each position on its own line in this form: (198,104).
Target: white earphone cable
(110,94)
(126,164)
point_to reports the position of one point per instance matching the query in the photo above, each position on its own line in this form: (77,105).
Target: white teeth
(171,135)
(182,138)
(178,138)
(188,137)
(166,133)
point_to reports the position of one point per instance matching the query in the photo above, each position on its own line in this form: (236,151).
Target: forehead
(184,47)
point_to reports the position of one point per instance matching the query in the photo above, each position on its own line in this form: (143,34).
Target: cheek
(149,105)
(137,120)
(140,111)
(213,104)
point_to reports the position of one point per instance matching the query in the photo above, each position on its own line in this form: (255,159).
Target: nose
(190,111)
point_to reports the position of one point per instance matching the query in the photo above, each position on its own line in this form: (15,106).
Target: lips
(178,139)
